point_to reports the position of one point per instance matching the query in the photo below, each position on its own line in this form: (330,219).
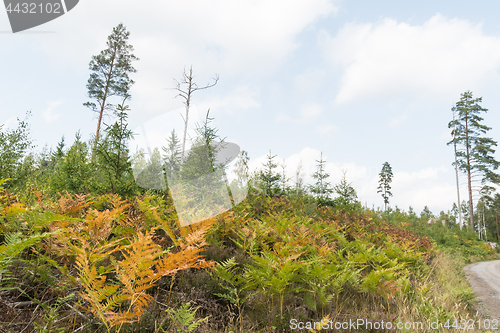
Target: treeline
(108,169)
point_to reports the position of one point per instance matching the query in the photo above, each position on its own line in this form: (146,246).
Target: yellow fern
(94,283)
(119,207)
(151,214)
(72,206)
(125,300)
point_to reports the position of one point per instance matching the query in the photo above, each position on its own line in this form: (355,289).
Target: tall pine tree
(384,182)
(109,76)
(475,150)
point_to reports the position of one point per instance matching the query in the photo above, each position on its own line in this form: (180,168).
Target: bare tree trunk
(385,202)
(485,230)
(456,173)
(103,104)
(297,178)
(480,229)
(498,234)
(186,94)
(469,182)
(188,103)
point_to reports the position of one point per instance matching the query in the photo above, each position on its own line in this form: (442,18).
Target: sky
(361,82)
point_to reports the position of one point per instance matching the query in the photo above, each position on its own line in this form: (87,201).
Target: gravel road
(484,278)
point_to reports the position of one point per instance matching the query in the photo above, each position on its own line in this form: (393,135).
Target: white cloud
(419,156)
(397,120)
(310,80)
(446,136)
(424,188)
(7,123)
(239,36)
(424,174)
(327,129)
(49,115)
(441,57)
(241,98)
(243,39)
(308,113)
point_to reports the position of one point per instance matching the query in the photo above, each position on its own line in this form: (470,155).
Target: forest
(95,237)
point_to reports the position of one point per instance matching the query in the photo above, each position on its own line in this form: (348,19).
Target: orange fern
(143,264)
(72,206)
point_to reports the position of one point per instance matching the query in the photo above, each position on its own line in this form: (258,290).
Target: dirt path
(484,278)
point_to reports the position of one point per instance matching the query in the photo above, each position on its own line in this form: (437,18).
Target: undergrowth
(107,264)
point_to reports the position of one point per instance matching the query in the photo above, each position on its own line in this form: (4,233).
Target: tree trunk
(385,202)
(498,234)
(469,182)
(479,229)
(456,174)
(188,101)
(485,229)
(192,87)
(103,104)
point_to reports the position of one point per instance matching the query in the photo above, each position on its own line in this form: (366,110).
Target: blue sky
(364,82)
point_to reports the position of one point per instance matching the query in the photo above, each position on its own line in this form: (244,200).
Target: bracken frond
(98,225)
(125,300)
(73,206)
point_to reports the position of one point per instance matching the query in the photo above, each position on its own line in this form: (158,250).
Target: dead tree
(186,87)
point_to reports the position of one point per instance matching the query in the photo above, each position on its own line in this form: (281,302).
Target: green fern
(15,243)
(224,272)
(184,318)
(324,280)
(51,317)
(274,271)
(3,181)
(233,285)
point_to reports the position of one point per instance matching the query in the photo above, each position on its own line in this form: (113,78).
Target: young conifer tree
(202,158)
(241,168)
(73,171)
(113,154)
(172,153)
(347,193)
(268,178)
(322,188)
(14,146)
(284,179)
(59,153)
